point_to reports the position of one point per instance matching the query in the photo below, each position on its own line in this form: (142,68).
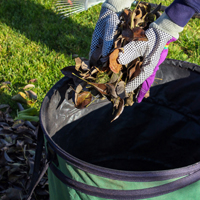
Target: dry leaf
(147,94)
(78,63)
(138,13)
(4,106)
(113,64)
(29,86)
(129,100)
(31,94)
(120,89)
(139,34)
(83,99)
(111,90)
(135,70)
(33,80)
(120,109)
(20,97)
(85,65)
(79,89)
(102,88)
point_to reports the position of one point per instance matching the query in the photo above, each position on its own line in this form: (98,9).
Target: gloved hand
(149,81)
(106,26)
(154,51)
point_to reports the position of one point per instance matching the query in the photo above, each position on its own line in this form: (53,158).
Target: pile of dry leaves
(108,78)
(17,154)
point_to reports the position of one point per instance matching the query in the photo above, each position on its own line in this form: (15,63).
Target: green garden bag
(151,152)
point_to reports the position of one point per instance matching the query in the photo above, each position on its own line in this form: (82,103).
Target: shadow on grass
(7,99)
(46,27)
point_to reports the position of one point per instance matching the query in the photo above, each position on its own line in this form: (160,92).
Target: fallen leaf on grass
(31,94)
(33,80)
(23,98)
(4,106)
(20,97)
(6,83)
(29,86)
(11,193)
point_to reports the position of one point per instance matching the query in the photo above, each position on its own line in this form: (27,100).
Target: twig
(92,101)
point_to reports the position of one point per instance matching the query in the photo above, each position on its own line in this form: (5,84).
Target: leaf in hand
(139,34)
(113,64)
(78,63)
(118,42)
(127,34)
(102,88)
(85,65)
(83,99)
(120,109)
(129,100)
(111,90)
(115,77)
(147,94)
(102,77)
(120,90)
(138,13)
(126,15)
(135,70)
(79,89)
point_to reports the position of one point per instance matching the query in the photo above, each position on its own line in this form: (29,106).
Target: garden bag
(152,151)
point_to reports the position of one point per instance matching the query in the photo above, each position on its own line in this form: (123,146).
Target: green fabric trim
(59,191)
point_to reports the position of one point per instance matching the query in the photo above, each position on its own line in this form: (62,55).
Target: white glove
(150,51)
(161,32)
(107,24)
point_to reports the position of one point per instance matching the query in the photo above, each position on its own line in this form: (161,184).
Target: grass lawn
(36,44)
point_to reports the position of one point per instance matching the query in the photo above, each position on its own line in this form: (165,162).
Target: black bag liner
(162,132)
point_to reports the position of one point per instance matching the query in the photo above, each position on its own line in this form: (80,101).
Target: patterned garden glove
(106,26)
(160,33)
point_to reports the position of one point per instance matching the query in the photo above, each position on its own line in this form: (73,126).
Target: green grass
(36,43)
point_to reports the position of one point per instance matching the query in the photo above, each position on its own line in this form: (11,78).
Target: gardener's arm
(180,11)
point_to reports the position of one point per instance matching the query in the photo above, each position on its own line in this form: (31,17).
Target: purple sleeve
(180,11)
